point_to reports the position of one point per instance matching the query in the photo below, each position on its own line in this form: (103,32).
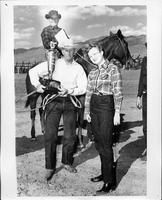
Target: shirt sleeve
(89,92)
(46,38)
(140,84)
(117,88)
(36,72)
(81,82)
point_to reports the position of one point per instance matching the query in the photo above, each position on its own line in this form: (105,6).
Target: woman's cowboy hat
(53,14)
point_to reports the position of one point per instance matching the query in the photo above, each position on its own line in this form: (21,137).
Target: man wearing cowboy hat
(73,82)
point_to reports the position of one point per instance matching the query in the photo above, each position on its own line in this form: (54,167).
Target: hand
(139,103)
(117,118)
(63,91)
(88,118)
(40,88)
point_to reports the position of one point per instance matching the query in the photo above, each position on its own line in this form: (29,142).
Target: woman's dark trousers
(54,110)
(102,114)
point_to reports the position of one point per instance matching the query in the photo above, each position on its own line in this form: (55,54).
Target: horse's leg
(89,135)
(80,124)
(80,137)
(41,114)
(32,116)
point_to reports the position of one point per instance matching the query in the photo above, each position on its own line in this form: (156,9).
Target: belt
(101,94)
(61,99)
(71,99)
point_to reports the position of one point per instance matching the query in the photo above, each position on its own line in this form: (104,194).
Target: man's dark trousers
(54,110)
(144,116)
(102,114)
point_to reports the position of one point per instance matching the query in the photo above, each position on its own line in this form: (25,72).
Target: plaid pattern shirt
(48,35)
(105,81)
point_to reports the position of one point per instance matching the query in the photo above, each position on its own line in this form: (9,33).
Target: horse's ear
(111,33)
(119,33)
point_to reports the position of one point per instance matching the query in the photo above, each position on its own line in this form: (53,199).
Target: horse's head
(115,46)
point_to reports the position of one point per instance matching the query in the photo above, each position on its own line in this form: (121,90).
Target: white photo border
(154,53)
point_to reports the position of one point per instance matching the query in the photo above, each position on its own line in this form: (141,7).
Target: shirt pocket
(104,76)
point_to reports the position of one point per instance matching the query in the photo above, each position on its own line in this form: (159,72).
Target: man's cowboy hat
(67,44)
(53,14)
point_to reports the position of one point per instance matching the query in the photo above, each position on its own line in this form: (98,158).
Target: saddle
(51,86)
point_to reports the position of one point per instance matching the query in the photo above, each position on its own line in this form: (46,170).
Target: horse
(114,46)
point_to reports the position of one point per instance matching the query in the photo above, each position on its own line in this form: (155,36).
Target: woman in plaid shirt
(102,108)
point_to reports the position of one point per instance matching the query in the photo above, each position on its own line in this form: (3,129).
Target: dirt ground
(131,170)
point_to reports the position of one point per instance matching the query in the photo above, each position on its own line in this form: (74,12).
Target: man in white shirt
(73,82)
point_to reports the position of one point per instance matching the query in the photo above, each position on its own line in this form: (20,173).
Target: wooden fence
(23,67)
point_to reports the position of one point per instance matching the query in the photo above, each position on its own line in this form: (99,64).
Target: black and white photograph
(81,99)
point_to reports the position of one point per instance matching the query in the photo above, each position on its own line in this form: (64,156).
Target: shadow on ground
(128,154)
(90,153)
(25,145)
(122,132)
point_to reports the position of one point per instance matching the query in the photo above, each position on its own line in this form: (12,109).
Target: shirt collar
(69,64)
(53,27)
(105,64)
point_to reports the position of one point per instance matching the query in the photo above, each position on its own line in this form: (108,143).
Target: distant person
(73,83)
(142,98)
(102,108)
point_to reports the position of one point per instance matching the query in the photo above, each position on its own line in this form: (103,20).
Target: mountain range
(37,54)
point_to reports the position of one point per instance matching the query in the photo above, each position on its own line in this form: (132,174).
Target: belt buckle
(98,93)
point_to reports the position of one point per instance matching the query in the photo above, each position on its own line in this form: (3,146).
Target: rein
(75,101)
(24,97)
(48,99)
(45,102)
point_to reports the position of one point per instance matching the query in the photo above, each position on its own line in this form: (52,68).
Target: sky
(80,22)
